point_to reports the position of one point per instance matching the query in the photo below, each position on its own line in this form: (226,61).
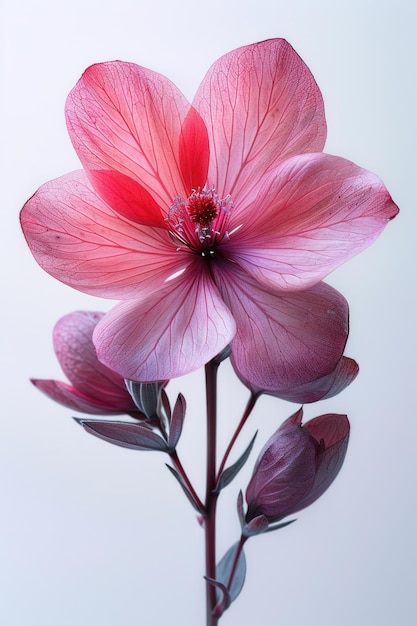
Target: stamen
(199,221)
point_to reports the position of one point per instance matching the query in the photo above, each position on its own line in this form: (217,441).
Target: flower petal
(194,151)
(283,340)
(334,429)
(261,104)
(330,428)
(71,398)
(326,386)
(344,374)
(127,118)
(168,334)
(127,197)
(319,389)
(312,214)
(79,240)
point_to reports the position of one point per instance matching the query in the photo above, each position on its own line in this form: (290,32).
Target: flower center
(199,222)
(202,208)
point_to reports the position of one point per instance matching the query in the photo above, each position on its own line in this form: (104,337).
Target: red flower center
(202,208)
(199,222)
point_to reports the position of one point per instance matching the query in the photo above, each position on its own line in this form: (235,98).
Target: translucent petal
(283,340)
(127,118)
(76,237)
(312,214)
(260,104)
(168,334)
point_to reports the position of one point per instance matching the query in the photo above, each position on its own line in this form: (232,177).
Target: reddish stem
(211,497)
(248,410)
(242,542)
(178,466)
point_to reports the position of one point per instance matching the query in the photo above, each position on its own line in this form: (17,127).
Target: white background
(94,534)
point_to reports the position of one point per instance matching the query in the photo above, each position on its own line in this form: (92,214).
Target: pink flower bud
(297,465)
(93,387)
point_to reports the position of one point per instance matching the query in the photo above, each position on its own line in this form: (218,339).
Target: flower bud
(297,465)
(312,391)
(93,388)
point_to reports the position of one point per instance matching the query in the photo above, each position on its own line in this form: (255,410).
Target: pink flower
(213,223)
(297,465)
(94,387)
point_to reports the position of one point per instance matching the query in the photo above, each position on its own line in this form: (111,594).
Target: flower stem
(248,410)
(211,497)
(242,542)
(192,492)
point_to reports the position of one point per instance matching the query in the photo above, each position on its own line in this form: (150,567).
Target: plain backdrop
(95,534)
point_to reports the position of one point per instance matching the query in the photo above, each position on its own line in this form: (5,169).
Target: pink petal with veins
(312,214)
(283,340)
(320,389)
(194,151)
(127,118)
(170,333)
(260,104)
(71,398)
(127,197)
(80,240)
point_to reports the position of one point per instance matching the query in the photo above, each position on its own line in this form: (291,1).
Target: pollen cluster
(198,223)
(202,208)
